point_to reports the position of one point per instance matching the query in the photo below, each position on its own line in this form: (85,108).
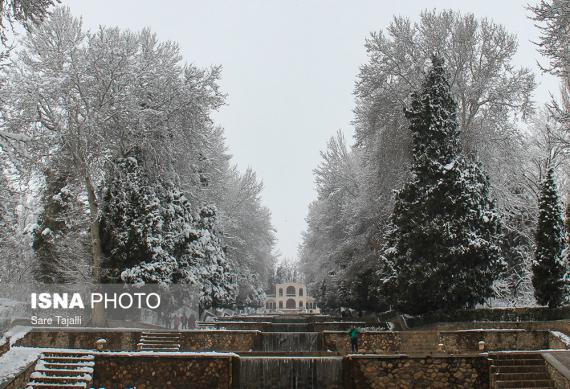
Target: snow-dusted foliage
(335,256)
(549,266)
(60,240)
(442,248)
(150,234)
(287,270)
(347,224)
(248,235)
(24,12)
(71,114)
(553,19)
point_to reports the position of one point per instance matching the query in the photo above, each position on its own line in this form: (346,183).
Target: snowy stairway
(159,341)
(62,370)
(520,371)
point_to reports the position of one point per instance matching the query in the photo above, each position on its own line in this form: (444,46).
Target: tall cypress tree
(548,267)
(442,251)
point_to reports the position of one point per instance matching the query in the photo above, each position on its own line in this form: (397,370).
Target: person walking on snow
(354,332)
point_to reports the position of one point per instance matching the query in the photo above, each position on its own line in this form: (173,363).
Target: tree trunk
(98,317)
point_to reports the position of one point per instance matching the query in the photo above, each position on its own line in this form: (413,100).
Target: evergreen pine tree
(548,266)
(442,250)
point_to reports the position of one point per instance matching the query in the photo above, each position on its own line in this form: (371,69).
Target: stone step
(66,355)
(166,338)
(159,345)
(522,376)
(67,358)
(518,369)
(159,341)
(518,362)
(516,356)
(64,372)
(173,340)
(45,385)
(66,364)
(524,384)
(160,349)
(58,379)
(160,333)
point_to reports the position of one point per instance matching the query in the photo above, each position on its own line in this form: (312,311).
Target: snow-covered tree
(333,255)
(492,95)
(16,256)
(25,12)
(549,266)
(60,240)
(442,250)
(553,20)
(151,234)
(105,94)
(287,270)
(101,94)
(248,235)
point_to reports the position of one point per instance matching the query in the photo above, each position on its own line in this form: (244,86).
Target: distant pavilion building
(291,297)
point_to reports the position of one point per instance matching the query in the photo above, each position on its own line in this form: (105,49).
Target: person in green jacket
(353,333)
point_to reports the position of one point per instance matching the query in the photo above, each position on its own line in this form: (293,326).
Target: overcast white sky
(289,69)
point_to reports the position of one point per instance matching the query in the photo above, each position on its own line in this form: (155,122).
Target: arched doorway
(290,304)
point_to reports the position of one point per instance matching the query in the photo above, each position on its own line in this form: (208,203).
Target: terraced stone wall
(120,340)
(21,380)
(555,325)
(383,372)
(468,341)
(117,340)
(222,341)
(383,342)
(164,371)
(276,327)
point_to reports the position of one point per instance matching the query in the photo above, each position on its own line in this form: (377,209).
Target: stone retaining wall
(556,342)
(4,347)
(118,340)
(454,342)
(255,319)
(384,372)
(223,341)
(336,326)
(556,325)
(21,380)
(468,341)
(274,327)
(382,342)
(526,314)
(165,371)
(238,325)
(559,373)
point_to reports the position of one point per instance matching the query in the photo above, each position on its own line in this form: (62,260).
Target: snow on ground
(563,337)
(14,361)
(15,333)
(492,330)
